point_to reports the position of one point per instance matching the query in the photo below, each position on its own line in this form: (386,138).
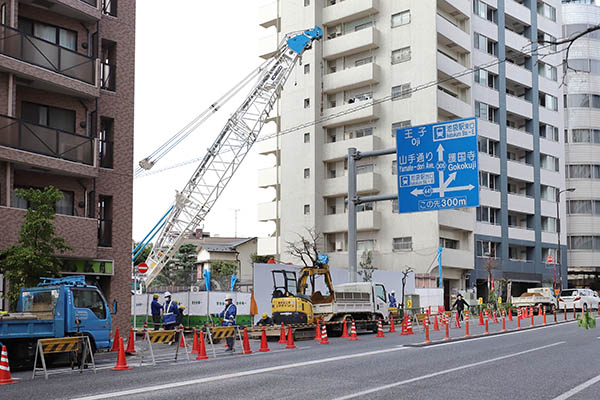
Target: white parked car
(586,298)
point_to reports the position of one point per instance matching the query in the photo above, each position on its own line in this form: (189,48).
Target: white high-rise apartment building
(582,134)
(377,49)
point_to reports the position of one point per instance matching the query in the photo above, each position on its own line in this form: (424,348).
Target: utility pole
(235,211)
(558,252)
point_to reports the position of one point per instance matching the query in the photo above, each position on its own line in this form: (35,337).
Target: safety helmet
(155,295)
(167,294)
(265,315)
(393,292)
(228,297)
(181,306)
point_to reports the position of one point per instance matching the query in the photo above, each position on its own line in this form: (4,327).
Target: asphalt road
(540,363)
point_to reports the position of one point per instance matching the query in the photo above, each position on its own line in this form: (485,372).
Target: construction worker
(228,315)
(265,321)
(179,319)
(156,309)
(460,304)
(169,312)
(393,299)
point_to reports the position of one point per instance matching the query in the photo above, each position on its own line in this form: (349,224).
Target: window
(364,169)
(105,221)
(365,245)
(52,117)
(485,44)
(402,18)
(62,37)
(306,209)
(546,10)
(306,103)
(549,162)
(547,71)
(401,91)
(488,180)
(307,137)
(395,209)
(306,69)
(394,167)
(109,7)
(578,100)
(106,142)
(488,146)
(548,101)
(580,171)
(485,11)
(580,242)
(306,173)
(486,78)
(448,243)
(549,224)
(485,111)
(581,136)
(579,207)
(90,299)
(65,206)
(364,207)
(363,61)
(306,3)
(486,248)
(3,14)
(549,132)
(401,55)
(487,214)
(402,243)
(400,125)
(548,192)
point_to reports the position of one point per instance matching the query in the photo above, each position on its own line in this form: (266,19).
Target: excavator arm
(307,272)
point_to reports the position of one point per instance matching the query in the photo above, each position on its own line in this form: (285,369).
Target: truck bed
(25,328)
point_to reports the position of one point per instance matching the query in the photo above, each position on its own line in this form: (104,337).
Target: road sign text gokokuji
(437,166)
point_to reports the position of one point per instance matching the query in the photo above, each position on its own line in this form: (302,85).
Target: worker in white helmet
(169,312)
(228,314)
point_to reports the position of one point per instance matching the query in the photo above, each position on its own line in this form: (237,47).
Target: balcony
(517,41)
(267,246)
(518,105)
(451,67)
(520,203)
(520,170)
(37,59)
(521,233)
(365,221)
(267,46)
(518,74)
(351,43)
(458,258)
(339,150)
(518,11)
(268,146)
(267,15)
(368,183)
(21,135)
(519,138)
(268,211)
(267,177)
(344,11)
(367,74)
(453,105)
(452,35)
(86,11)
(366,110)
(457,219)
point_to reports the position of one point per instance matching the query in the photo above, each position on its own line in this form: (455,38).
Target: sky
(187,56)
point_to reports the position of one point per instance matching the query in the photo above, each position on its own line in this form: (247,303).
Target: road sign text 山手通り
(437,166)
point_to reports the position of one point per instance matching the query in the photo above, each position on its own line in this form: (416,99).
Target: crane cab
(287,305)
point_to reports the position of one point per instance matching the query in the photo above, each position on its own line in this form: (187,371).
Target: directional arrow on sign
(440,151)
(416,192)
(451,178)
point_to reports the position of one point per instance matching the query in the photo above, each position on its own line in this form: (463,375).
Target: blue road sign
(437,166)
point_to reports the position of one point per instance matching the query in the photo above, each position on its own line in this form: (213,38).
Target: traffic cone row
(5,378)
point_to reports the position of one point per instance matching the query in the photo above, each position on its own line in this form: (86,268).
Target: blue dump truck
(56,308)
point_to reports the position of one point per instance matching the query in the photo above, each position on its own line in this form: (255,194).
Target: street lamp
(558,259)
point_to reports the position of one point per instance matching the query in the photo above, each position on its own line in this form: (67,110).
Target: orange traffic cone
(403,331)
(447,332)
(324,339)
(379,329)
(121,360)
(195,342)
(457,321)
(318,332)
(181,340)
(345,329)
(480,317)
(115,346)
(436,326)
(130,343)
(263,341)
(392,326)
(486,327)
(427,334)
(201,347)
(5,378)
(282,335)
(509,311)
(290,338)
(353,335)
(409,330)
(246,343)
(145,325)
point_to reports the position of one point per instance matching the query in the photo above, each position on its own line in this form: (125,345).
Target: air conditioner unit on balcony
(339,246)
(195,288)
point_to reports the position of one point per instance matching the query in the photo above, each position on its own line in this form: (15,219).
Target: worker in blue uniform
(228,315)
(393,299)
(170,312)
(156,309)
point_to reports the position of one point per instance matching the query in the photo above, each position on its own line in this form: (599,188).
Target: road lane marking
(234,375)
(434,374)
(578,389)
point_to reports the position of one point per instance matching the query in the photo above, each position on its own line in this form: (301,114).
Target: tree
(306,248)
(36,254)
(143,255)
(179,270)
(405,273)
(366,266)
(221,272)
